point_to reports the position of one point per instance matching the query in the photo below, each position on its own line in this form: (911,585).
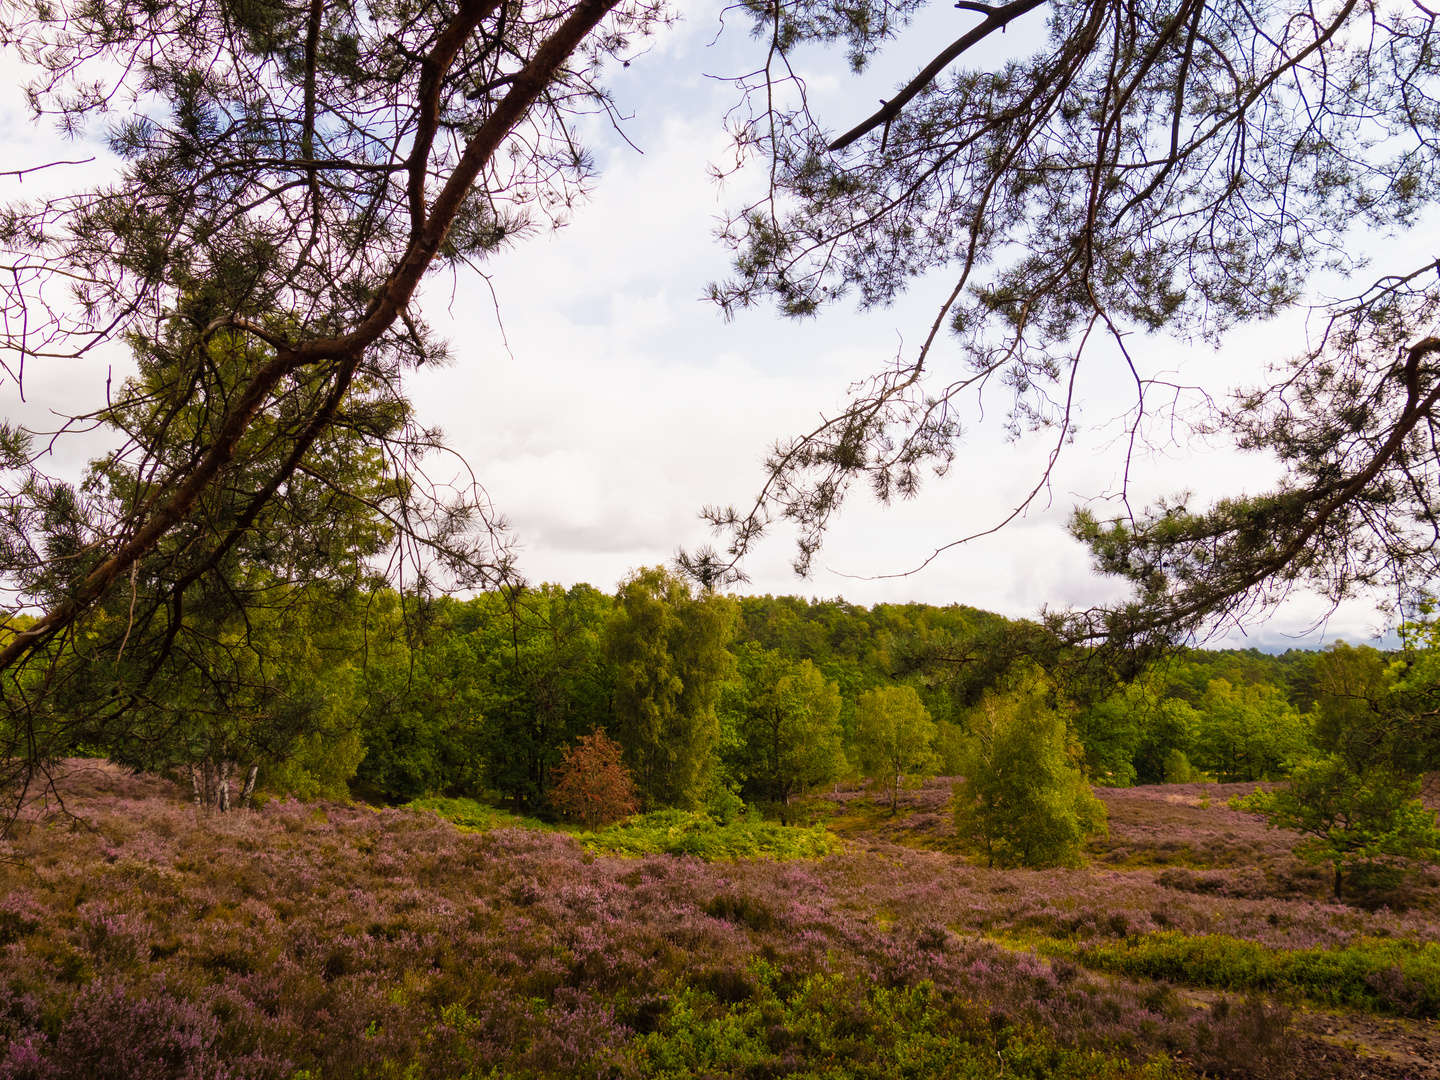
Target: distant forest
(715,700)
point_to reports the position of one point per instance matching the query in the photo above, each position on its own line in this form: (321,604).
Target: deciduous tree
(1023,801)
(789,725)
(670,656)
(1355,799)
(592,785)
(1248,732)
(1350,816)
(893,736)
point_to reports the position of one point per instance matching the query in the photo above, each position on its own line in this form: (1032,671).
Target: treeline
(715,699)
(712,700)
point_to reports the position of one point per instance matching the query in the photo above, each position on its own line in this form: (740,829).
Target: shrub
(1178,769)
(470,816)
(828,1025)
(1384,975)
(893,731)
(320,767)
(592,785)
(684,832)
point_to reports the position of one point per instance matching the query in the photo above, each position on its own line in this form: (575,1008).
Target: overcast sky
(606,402)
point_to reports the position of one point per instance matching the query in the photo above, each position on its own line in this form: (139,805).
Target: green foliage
(858,1031)
(686,832)
(1177,768)
(787,725)
(423,711)
(671,661)
(893,732)
(1129,736)
(1248,733)
(949,748)
(233,643)
(543,677)
(1023,801)
(467,815)
(318,767)
(1349,817)
(591,784)
(723,804)
(1385,975)
(1355,801)
(483,696)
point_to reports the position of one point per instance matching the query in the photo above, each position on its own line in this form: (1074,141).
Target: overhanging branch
(996,19)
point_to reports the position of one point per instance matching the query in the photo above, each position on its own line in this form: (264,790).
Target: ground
(301,940)
(1186,839)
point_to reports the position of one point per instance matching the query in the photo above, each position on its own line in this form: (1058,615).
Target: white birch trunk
(249,787)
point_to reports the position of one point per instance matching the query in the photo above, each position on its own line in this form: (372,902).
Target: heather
(1381,974)
(344,941)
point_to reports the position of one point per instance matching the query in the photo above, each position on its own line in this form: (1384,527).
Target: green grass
(1378,974)
(470,816)
(683,832)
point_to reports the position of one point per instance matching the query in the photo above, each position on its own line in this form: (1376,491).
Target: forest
(711,697)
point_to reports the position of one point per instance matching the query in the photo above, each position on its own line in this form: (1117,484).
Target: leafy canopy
(893,736)
(1023,801)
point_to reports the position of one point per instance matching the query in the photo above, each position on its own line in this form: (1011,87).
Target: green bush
(858,1032)
(684,832)
(1023,801)
(1373,973)
(471,816)
(320,767)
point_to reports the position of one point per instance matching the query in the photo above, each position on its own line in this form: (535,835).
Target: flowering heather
(343,941)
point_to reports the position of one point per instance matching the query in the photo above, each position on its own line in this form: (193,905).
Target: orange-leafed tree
(593,786)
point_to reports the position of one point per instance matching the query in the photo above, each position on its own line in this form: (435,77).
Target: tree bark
(248,788)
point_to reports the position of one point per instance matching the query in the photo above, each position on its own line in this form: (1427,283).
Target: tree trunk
(222,786)
(195,786)
(248,788)
(1338,880)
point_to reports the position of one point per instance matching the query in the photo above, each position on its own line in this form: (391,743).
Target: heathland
(660,834)
(146,938)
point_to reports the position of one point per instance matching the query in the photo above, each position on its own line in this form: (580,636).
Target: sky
(601,401)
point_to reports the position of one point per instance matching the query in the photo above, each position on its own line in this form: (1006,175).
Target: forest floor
(139,938)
